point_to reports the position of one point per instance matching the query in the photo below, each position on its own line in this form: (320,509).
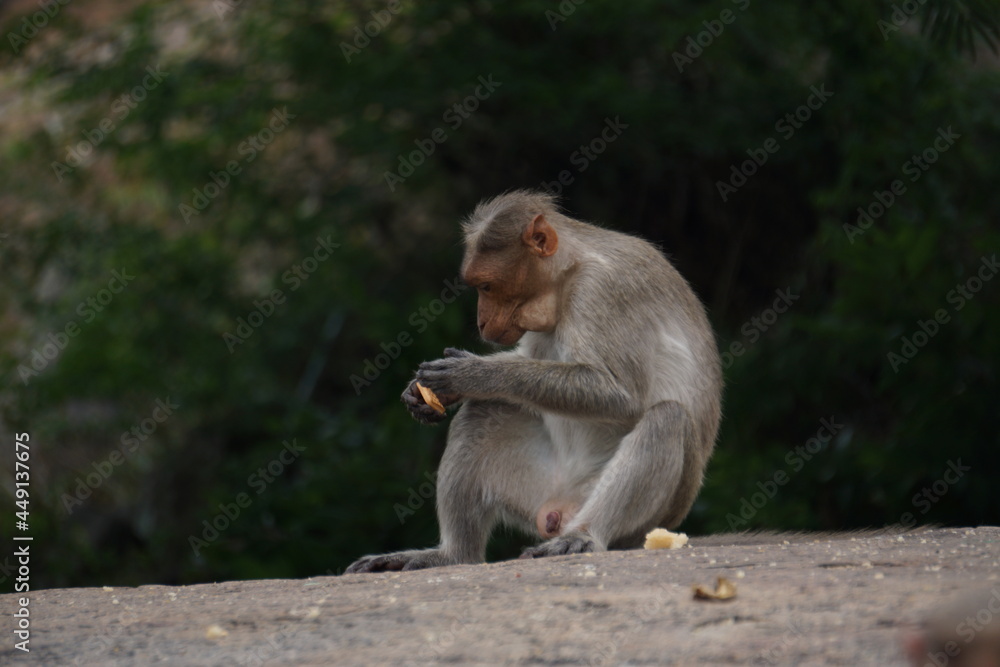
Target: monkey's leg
(636,489)
(494,464)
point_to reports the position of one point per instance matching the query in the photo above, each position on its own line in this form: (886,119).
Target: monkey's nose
(482,326)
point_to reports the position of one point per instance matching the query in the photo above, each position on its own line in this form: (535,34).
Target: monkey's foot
(573,543)
(401,560)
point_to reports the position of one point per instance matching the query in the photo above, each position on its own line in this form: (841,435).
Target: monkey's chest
(579,449)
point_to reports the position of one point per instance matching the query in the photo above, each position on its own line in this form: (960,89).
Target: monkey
(597,425)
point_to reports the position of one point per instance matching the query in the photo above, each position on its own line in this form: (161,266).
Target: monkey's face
(518,289)
(515,296)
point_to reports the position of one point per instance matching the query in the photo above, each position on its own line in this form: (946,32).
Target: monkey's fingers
(427,416)
(420,411)
(437,365)
(561,546)
(385,563)
(409,399)
(455,353)
(437,380)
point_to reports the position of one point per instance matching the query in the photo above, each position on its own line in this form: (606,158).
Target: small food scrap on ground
(430,398)
(724,590)
(215,632)
(661,538)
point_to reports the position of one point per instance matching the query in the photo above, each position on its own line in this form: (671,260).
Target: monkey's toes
(374,564)
(561,546)
(401,560)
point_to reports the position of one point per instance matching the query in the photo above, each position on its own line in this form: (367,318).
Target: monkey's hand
(454,377)
(419,409)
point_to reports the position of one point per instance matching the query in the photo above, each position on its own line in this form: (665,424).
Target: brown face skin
(504,287)
(516,292)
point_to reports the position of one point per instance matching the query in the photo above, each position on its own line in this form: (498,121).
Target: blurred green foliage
(360,105)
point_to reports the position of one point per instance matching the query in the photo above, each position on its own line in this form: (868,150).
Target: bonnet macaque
(598,425)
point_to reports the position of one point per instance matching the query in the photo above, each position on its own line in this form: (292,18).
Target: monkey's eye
(485,287)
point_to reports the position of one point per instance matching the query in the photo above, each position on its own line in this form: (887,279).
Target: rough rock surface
(843,601)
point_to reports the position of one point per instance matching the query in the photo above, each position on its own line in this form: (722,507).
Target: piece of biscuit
(430,398)
(661,538)
(724,590)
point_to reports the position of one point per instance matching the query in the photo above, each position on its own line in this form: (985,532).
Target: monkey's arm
(573,389)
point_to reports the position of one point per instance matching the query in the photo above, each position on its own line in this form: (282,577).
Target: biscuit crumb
(661,538)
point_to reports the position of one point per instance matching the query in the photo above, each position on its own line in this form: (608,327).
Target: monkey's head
(510,251)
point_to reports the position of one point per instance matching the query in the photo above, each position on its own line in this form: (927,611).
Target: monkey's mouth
(506,338)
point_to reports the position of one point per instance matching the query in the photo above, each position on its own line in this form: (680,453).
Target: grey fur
(615,411)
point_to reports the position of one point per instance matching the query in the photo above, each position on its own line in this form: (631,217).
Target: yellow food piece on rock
(661,538)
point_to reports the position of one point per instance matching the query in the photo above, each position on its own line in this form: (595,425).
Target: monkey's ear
(541,237)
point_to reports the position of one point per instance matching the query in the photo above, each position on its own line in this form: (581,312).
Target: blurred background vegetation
(84,362)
